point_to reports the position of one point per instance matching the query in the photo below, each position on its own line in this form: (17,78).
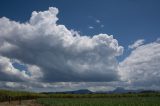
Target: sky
(57,45)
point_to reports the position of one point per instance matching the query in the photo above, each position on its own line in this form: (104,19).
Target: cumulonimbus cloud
(54,53)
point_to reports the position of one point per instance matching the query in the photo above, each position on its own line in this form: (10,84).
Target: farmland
(132,101)
(63,99)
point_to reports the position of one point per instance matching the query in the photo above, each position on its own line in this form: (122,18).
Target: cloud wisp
(91,27)
(136,44)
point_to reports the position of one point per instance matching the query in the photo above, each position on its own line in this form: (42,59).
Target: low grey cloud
(9,73)
(62,86)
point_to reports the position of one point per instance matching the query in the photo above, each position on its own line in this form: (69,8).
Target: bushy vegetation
(120,101)
(6,95)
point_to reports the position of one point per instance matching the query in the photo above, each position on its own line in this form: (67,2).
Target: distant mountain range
(117,90)
(81,91)
(122,90)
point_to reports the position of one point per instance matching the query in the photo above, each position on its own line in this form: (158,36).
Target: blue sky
(134,24)
(127,20)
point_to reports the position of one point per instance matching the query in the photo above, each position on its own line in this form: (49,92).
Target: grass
(120,101)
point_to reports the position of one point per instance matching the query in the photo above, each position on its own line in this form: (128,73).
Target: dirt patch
(23,103)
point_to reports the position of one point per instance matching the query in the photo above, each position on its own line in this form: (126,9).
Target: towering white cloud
(53,53)
(142,67)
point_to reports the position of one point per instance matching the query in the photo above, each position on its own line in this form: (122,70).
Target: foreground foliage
(7,95)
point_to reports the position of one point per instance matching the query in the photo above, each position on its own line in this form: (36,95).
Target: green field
(62,99)
(122,101)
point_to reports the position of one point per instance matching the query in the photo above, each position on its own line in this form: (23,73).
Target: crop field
(122,101)
(44,99)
